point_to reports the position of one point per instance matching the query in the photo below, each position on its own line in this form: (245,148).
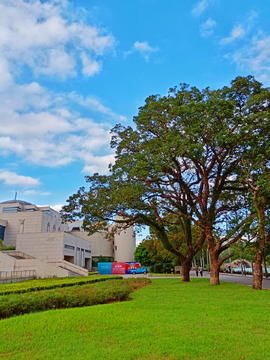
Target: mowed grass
(166,320)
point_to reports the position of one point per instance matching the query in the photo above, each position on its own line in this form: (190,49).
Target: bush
(52,283)
(77,296)
(167,268)
(158,268)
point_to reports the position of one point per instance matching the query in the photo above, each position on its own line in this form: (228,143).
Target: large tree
(255,167)
(182,159)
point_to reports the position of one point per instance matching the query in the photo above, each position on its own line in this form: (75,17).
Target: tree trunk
(257,273)
(185,270)
(214,268)
(214,260)
(257,276)
(265,267)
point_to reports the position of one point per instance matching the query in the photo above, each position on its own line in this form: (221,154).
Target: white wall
(100,245)
(125,245)
(51,246)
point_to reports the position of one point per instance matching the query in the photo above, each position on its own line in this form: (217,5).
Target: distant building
(121,247)
(38,232)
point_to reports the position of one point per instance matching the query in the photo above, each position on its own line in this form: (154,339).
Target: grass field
(166,320)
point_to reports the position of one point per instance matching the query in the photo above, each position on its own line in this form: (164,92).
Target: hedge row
(51,283)
(77,296)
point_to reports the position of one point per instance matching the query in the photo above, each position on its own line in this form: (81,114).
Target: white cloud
(206,29)
(200,6)
(94,104)
(90,67)
(43,36)
(143,48)
(236,33)
(98,164)
(57,207)
(11,178)
(50,140)
(255,57)
(36,124)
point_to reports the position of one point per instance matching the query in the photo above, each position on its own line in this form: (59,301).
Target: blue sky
(71,70)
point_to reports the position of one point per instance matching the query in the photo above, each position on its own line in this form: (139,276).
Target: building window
(48,212)
(54,228)
(48,227)
(82,249)
(115,247)
(78,249)
(11,209)
(88,251)
(75,229)
(69,247)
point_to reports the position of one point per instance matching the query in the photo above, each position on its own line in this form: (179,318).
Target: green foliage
(181,167)
(156,251)
(77,296)
(3,247)
(167,268)
(142,255)
(158,268)
(51,283)
(104,259)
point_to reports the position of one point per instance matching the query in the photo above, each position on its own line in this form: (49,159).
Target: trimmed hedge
(77,296)
(51,283)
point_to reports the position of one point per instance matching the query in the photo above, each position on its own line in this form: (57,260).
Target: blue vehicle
(140,270)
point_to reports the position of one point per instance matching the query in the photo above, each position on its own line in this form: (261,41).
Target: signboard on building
(105,268)
(118,268)
(131,266)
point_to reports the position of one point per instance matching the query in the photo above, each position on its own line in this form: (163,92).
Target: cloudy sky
(71,70)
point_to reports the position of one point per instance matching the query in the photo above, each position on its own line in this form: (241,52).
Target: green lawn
(166,320)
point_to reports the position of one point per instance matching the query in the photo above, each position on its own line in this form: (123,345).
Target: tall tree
(181,159)
(142,255)
(255,166)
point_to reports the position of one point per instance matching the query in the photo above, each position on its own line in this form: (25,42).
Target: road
(236,279)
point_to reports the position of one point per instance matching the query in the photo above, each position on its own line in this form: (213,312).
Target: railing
(17,274)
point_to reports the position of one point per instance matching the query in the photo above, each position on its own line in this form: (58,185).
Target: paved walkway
(237,279)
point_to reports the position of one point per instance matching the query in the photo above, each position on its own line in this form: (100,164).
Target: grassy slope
(166,320)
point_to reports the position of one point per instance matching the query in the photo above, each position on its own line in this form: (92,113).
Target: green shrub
(167,268)
(51,283)
(158,268)
(77,296)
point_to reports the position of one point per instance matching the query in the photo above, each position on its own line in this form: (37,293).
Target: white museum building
(51,248)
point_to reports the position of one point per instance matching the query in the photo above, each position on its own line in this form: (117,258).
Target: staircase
(74,270)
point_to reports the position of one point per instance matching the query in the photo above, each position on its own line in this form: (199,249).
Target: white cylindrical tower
(124,245)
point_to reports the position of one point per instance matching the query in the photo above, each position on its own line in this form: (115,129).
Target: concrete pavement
(236,278)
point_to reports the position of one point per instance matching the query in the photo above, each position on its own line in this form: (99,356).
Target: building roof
(22,202)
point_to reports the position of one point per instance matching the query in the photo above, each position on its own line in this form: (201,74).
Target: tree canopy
(180,166)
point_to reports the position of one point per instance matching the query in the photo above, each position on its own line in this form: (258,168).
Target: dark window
(69,247)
